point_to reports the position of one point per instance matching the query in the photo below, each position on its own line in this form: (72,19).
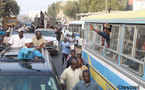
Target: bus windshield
(27,83)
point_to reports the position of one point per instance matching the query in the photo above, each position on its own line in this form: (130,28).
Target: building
(138,4)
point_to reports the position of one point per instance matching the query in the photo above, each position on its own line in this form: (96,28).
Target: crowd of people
(76,74)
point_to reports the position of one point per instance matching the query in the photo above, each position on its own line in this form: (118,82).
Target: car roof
(24,67)
(43,29)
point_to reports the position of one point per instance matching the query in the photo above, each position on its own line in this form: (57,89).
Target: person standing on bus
(105,34)
(45,20)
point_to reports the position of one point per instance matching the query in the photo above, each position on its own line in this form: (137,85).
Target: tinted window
(27,83)
(48,33)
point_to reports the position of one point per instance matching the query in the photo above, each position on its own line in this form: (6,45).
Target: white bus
(77,27)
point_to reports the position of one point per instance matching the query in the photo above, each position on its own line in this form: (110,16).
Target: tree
(8,8)
(71,9)
(53,9)
(84,5)
(2,7)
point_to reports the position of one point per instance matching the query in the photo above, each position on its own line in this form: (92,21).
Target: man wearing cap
(17,40)
(6,38)
(28,52)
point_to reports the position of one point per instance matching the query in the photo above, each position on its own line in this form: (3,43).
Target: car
(50,38)
(17,74)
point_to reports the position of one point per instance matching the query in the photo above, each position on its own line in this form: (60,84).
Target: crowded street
(72,44)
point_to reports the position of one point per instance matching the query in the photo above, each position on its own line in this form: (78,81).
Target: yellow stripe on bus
(99,79)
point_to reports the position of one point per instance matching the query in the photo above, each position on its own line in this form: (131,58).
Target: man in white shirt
(72,75)
(45,20)
(72,41)
(17,40)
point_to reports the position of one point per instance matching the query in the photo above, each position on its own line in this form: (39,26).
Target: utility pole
(106,6)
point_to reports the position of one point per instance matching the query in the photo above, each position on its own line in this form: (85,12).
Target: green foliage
(53,9)
(8,8)
(71,9)
(85,6)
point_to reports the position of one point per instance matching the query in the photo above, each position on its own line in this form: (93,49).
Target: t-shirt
(71,77)
(72,40)
(65,50)
(38,42)
(16,41)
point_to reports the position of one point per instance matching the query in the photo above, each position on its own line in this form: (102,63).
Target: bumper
(52,49)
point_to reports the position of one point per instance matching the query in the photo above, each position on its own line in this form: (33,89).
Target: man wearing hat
(17,40)
(6,38)
(28,52)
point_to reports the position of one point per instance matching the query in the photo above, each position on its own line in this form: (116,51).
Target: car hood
(50,38)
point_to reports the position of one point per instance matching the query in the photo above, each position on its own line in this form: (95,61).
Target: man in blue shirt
(2,32)
(65,50)
(105,34)
(86,84)
(28,52)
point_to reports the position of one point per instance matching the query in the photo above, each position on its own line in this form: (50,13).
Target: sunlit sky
(27,6)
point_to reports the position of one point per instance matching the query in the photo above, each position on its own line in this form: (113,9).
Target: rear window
(28,83)
(48,33)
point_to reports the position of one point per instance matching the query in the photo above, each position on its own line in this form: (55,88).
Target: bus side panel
(101,73)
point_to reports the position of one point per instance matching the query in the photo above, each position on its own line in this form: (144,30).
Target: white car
(50,38)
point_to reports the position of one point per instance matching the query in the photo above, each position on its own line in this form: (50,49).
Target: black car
(27,74)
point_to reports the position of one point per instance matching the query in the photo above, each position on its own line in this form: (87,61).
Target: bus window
(132,64)
(98,45)
(90,39)
(140,43)
(85,35)
(114,36)
(128,60)
(128,40)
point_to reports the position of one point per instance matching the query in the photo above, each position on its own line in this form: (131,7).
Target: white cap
(28,40)
(20,30)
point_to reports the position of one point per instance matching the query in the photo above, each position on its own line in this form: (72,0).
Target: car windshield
(16,32)
(48,33)
(27,83)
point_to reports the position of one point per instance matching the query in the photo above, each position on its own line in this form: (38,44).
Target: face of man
(74,64)
(73,54)
(38,35)
(79,63)
(21,34)
(65,40)
(79,56)
(86,77)
(29,45)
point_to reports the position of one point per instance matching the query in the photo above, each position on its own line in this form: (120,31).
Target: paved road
(57,61)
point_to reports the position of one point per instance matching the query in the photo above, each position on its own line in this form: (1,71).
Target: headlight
(54,42)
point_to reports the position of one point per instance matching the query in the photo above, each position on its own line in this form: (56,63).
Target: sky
(33,5)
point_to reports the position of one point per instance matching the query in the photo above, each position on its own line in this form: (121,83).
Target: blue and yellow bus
(121,66)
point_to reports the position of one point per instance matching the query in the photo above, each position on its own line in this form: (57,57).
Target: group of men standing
(76,75)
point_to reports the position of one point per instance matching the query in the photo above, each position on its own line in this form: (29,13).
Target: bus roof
(77,22)
(137,16)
